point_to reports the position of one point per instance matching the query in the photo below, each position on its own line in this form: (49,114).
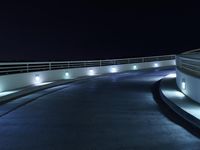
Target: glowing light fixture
(67,75)
(113,70)
(134,67)
(171,75)
(91,72)
(183,84)
(37,79)
(155,65)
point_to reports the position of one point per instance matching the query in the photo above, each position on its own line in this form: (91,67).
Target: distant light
(183,84)
(171,75)
(91,72)
(134,67)
(155,65)
(66,74)
(37,79)
(113,70)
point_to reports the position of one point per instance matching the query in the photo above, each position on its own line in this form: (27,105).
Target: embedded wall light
(113,70)
(134,67)
(37,79)
(66,74)
(155,65)
(91,72)
(183,84)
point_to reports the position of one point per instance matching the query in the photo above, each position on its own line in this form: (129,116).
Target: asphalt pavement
(111,112)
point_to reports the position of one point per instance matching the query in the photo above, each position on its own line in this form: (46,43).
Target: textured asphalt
(112,112)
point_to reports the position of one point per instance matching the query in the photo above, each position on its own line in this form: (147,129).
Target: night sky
(80,30)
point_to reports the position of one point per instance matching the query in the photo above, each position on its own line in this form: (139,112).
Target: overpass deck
(115,111)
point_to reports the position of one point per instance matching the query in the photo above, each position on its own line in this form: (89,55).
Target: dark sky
(80,30)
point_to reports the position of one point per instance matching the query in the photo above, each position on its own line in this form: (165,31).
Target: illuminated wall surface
(189,85)
(188,79)
(15,81)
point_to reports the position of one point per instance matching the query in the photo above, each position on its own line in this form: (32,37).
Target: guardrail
(188,73)
(22,67)
(188,64)
(192,51)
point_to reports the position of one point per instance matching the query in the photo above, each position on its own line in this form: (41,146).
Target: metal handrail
(191,51)
(18,67)
(190,65)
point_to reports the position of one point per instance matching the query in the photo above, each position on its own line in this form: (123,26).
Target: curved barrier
(21,67)
(21,74)
(188,74)
(192,51)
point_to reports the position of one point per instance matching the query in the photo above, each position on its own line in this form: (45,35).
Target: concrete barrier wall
(15,81)
(188,84)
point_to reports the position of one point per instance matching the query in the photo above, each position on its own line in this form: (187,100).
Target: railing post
(142,59)
(84,63)
(27,67)
(49,66)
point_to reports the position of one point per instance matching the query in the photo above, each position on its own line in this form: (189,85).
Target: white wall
(192,85)
(14,81)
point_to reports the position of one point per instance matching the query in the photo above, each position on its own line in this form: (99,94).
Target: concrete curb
(32,89)
(193,121)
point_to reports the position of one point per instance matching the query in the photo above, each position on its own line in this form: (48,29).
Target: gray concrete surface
(14,81)
(192,84)
(182,105)
(33,88)
(112,112)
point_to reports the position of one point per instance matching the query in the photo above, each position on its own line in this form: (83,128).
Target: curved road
(111,112)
